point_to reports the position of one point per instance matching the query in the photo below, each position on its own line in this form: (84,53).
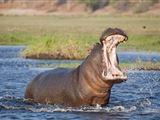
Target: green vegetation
(94,4)
(147,43)
(59,47)
(71,37)
(16,38)
(139,65)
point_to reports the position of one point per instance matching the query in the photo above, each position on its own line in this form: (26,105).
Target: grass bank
(60,47)
(71,37)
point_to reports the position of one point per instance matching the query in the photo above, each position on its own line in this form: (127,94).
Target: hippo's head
(110,39)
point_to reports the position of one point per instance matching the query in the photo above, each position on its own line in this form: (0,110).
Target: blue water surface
(136,99)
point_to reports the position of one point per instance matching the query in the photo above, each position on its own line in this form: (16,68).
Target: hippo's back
(48,84)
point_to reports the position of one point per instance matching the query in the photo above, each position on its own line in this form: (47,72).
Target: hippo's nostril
(115,75)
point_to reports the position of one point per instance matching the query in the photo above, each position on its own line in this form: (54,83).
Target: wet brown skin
(84,85)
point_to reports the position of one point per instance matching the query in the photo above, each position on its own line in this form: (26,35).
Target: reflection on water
(137,98)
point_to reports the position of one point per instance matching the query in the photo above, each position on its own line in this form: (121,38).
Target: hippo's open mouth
(111,69)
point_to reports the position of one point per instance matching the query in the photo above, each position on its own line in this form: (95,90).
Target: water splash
(11,103)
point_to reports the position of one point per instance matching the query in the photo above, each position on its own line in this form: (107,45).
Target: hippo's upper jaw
(111,69)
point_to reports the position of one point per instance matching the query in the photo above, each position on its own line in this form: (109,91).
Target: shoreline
(135,64)
(48,56)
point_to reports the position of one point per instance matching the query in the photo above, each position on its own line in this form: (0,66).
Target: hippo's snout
(121,76)
(116,75)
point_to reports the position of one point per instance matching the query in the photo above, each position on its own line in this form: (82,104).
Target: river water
(137,99)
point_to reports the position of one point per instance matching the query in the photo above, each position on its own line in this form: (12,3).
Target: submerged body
(65,89)
(54,87)
(88,84)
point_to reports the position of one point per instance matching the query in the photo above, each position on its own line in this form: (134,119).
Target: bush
(143,6)
(122,5)
(95,4)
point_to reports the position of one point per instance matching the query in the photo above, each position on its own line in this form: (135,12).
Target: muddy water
(136,99)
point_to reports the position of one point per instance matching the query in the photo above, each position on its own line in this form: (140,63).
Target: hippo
(87,85)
